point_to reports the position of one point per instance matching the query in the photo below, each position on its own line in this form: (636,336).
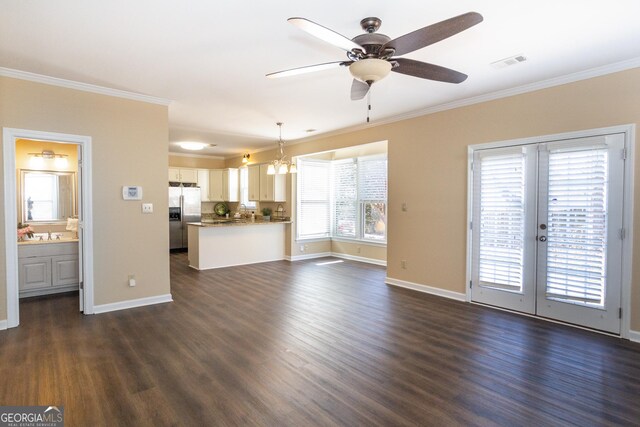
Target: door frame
(9,137)
(627,210)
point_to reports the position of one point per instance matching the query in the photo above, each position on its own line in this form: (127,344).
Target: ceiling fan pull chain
(368,104)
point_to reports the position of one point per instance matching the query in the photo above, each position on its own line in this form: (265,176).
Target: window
(244,189)
(357,200)
(313,199)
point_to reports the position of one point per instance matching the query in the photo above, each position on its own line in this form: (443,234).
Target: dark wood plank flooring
(297,344)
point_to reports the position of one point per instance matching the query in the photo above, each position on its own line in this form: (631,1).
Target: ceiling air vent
(506,62)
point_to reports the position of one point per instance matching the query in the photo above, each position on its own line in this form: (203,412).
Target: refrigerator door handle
(181,212)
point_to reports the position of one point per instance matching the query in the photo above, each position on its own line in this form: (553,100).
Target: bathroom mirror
(47,196)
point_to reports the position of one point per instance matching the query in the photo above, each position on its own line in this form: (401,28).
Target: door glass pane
(502,214)
(577,226)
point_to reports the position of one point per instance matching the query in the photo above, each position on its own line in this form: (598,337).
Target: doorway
(547,229)
(84,224)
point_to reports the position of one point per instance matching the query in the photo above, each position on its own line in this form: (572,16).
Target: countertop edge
(236,224)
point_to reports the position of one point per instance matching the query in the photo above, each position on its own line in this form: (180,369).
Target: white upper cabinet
(183,175)
(273,188)
(216,193)
(203,183)
(253,172)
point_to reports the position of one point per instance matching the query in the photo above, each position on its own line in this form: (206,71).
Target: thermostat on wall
(132,192)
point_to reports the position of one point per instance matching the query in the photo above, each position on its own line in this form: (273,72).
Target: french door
(546,229)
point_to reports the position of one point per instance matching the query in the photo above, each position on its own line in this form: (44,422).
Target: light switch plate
(147,208)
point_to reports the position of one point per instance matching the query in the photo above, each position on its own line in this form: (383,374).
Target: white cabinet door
(65,270)
(189,175)
(174,175)
(266,184)
(254,182)
(203,183)
(35,273)
(215,185)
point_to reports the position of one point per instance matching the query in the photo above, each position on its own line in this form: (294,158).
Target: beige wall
(428,168)
(130,147)
(195,162)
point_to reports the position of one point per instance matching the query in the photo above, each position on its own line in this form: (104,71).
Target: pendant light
(281,165)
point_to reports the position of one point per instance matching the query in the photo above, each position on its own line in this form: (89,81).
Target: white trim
(359,242)
(360,259)
(313,239)
(308,256)
(10,136)
(85,87)
(426,289)
(132,303)
(3,325)
(627,221)
(633,336)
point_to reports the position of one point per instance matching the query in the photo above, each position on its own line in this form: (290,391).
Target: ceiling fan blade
(358,90)
(432,33)
(424,70)
(308,69)
(325,34)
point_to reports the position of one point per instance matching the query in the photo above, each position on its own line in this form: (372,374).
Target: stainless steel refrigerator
(184,207)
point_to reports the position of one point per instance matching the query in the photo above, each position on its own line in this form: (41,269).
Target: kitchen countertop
(235,223)
(46,242)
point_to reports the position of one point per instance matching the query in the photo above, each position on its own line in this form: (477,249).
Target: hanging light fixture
(281,165)
(37,159)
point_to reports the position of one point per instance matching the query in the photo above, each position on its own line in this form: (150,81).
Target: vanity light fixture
(281,165)
(37,159)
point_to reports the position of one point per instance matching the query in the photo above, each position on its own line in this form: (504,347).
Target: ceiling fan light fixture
(370,70)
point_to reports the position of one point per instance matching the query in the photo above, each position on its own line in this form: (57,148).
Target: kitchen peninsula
(227,243)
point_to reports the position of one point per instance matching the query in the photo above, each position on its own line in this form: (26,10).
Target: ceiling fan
(373,55)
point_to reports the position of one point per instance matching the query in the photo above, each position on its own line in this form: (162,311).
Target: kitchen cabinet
(215,185)
(272,187)
(203,183)
(253,173)
(183,175)
(230,190)
(48,268)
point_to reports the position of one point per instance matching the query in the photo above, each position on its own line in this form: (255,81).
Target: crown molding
(531,87)
(199,156)
(85,87)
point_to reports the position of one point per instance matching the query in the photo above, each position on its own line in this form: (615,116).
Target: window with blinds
(502,215)
(372,194)
(345,196)
(577,226)
(314,203)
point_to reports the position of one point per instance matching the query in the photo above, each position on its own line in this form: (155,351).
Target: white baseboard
(426,289)
(133,303)
(336,255)
(634,336)
(360,259)
(308,256)
(3,325)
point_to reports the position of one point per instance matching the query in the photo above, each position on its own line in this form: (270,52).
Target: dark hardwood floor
(298,344)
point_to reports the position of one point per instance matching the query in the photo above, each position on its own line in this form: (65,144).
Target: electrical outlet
(358,249)
(301,248)
(403,264)
(132,280)
(404,206)
(147,208)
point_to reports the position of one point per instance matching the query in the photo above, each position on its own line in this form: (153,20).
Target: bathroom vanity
(48,267)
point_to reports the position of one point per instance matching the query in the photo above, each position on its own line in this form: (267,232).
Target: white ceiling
(210,57)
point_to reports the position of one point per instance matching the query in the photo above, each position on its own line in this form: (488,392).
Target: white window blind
(502,213)
(577,226)
(345,195)
(313,180)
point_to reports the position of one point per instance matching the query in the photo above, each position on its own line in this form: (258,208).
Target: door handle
(542,238)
